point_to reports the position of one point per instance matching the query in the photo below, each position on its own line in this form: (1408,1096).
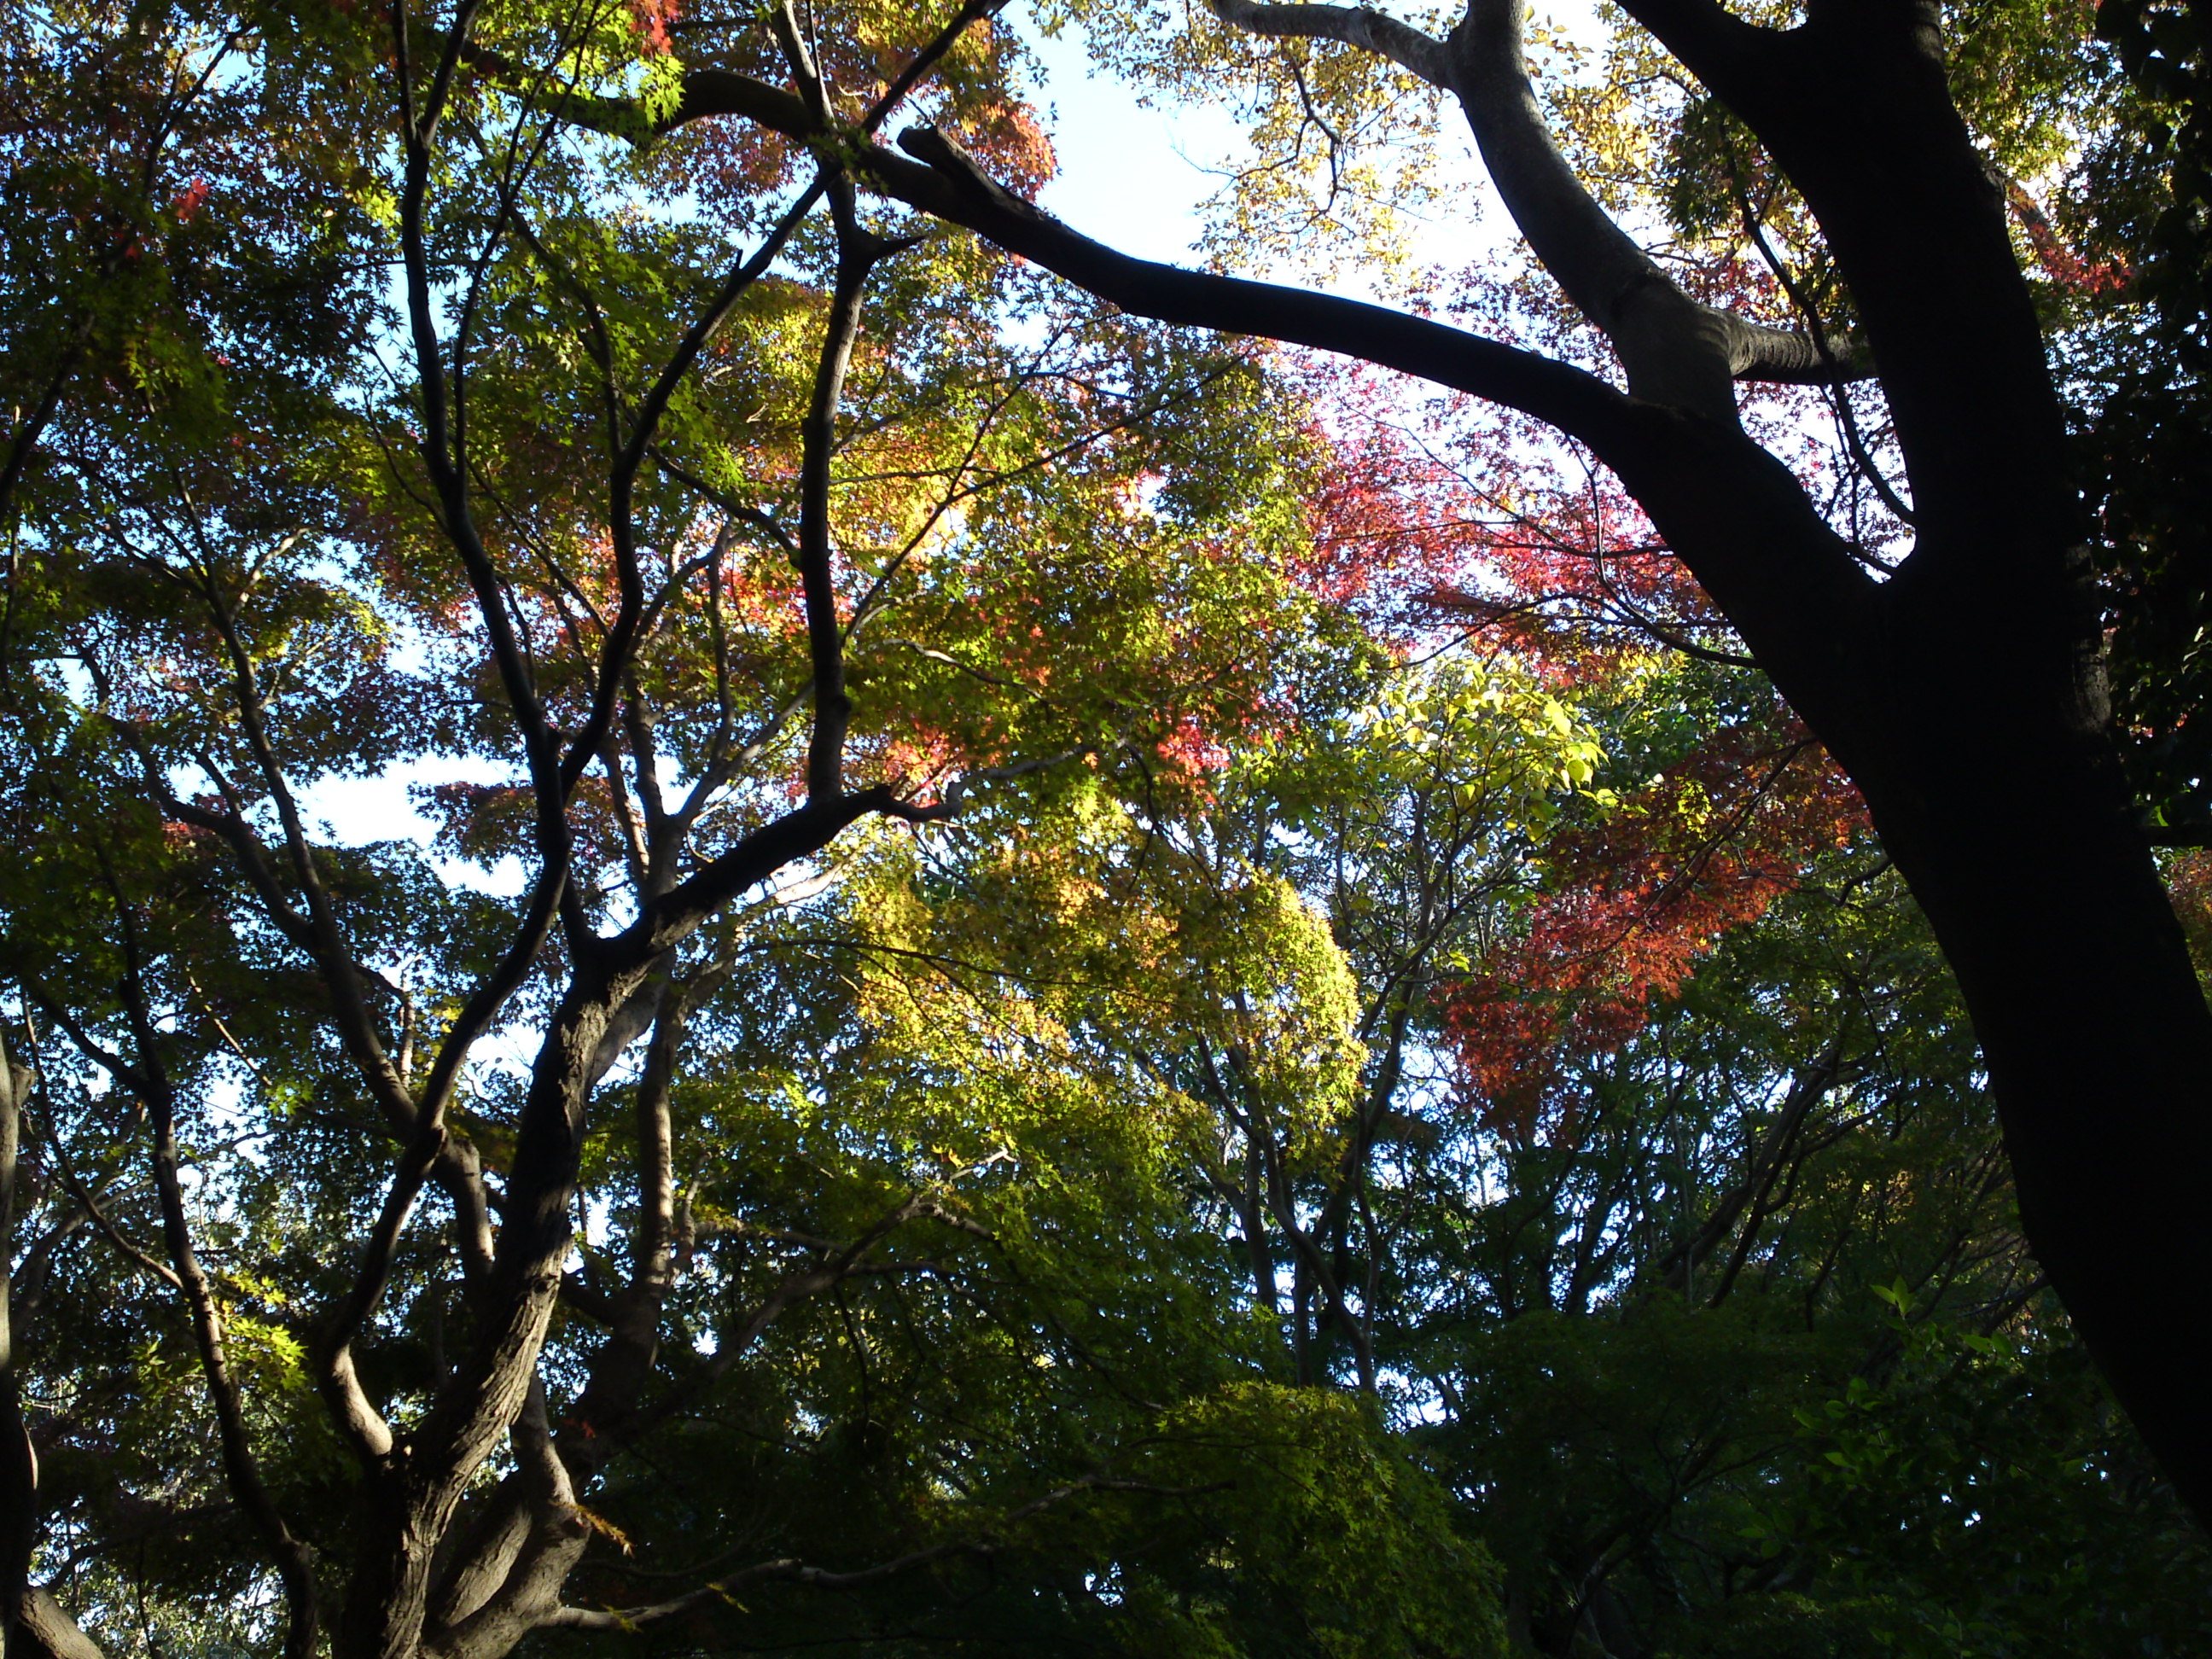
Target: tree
(717,523)
(1689,1265)
(313,1338)
(1961,689)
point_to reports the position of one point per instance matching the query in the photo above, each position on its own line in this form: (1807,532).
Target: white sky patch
(357,811)
(1135,178)
(1138,179)
(1130,176)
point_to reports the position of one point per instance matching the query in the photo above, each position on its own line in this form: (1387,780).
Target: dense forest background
(1069,986)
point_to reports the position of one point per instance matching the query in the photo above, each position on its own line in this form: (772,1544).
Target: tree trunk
(1965,697)
(2013,826)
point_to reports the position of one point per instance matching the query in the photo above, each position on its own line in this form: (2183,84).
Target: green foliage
(1306,1531)
(1094,1226)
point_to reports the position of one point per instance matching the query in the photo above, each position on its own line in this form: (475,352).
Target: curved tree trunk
(1966,698)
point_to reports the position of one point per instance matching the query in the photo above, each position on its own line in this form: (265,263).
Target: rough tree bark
(1964,693)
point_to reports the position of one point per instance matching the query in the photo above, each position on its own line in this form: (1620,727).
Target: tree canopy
(1093,957)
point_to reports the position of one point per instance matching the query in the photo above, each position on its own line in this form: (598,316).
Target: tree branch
(1674,348)
(294,1566)
(857,254)
(1417,54)
(41,1618)
(790,1570)
(953,187)
(623,481)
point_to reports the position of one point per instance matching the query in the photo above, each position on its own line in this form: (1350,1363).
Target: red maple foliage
(1459,517)
(650,20)
(1631,904)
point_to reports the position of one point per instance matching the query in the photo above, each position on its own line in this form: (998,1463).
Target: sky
(1130,176)
(1138,179)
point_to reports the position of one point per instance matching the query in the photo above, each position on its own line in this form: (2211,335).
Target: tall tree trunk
(1966,698)
(2011,823)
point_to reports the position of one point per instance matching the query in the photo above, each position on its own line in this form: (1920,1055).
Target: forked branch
(1418,54)
(1675,348)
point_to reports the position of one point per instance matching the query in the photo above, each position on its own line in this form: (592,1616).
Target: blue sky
(1136,178)
(1130,176)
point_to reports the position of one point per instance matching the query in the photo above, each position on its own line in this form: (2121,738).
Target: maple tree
(244,567)
(1051,959)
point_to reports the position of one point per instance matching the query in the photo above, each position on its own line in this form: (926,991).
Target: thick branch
(625,1360)
(1706,486)
(952,187)
(857,254)
(539,1556)
(1417,54)
(46,1631)
(1674,348)
(685,907)
(1713,42)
